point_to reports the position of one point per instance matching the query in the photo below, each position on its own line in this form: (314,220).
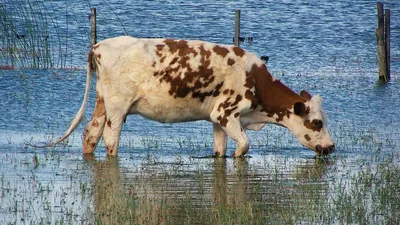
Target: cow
(170,81)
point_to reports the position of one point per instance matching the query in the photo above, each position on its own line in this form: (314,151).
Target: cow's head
(309,124)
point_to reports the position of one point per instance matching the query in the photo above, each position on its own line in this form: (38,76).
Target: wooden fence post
(93,26)
(237,27)
(380,38)
(387,41)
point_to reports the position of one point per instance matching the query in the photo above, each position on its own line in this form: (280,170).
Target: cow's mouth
(324,150)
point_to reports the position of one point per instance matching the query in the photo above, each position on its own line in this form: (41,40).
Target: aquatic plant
(25,36)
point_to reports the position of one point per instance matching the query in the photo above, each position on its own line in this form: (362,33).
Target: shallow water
(327,48)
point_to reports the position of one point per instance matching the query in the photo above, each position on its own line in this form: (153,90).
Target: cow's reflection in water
(158,194)
(225,190)
(107,190)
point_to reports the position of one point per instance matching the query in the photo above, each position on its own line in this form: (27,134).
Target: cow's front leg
(236,132)
(232,127)
(219,140)
(95,127)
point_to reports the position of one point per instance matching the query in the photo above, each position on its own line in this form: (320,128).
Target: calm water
(328,48)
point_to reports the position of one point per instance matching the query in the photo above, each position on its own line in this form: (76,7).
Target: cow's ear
(305,95)
(299,108)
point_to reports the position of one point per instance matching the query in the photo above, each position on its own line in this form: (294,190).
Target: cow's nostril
(324,151)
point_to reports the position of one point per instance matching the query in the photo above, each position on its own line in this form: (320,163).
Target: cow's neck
(275,98)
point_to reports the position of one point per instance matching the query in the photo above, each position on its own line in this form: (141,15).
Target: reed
(30,37)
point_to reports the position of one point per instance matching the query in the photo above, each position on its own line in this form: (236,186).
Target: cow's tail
(79,115)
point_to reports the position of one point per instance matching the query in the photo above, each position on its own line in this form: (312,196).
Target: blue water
(299,36)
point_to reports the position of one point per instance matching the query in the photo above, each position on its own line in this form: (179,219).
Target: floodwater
(161,175)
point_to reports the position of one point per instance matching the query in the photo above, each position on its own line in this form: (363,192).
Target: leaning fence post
(237,27)
(381,44)
(93,26)
(387,41)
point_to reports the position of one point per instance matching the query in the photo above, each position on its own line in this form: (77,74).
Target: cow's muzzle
(324,150)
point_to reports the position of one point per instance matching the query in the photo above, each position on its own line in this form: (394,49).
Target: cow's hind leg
(116,111)
(94,129)
(112,131)
(219,140)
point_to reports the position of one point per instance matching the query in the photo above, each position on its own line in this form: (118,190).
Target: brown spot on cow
(249,95)
(275,97)
(217,92)
(172,44)
(238,51)
(93,145)
(180,46)
(307,137)
(228,112)
(225,104)
(91,60)
(204,53)
(95,123)
(202,95)
(159,47)
(249,80)
(281,115)
(222,51)
(223,121)
(228,108)
(109,123)
(174,60)
(162,59)
(230,62)
(315,125)
(237,100)
(229,91)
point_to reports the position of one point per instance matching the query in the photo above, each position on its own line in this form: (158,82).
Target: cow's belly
(170,110)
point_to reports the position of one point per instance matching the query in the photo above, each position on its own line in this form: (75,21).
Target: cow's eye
(317,123)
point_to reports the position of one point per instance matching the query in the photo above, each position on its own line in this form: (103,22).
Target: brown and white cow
(176,80)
